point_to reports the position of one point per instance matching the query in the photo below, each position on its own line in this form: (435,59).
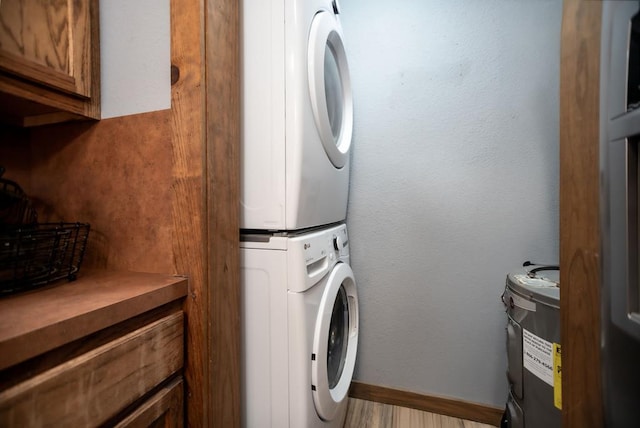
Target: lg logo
(307,246)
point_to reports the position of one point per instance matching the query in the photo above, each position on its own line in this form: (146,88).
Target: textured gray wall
(135,63)
(454,182)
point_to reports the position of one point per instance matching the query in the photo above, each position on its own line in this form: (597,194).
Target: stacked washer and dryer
(299,298)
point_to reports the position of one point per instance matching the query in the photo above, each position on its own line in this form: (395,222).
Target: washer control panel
(316,252)
(341,243)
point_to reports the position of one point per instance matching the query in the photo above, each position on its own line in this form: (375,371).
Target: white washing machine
(300,328)
(297,115)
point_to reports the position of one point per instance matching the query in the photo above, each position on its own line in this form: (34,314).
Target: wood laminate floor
(369,414)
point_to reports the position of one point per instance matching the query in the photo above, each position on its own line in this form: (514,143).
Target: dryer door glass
(333,91)
(330,87)
(338,338)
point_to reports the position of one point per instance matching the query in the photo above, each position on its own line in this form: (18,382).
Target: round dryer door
(330,87)
(335,342)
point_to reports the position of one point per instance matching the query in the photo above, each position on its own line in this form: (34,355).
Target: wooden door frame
(205,111)
(205,114)
(580,214)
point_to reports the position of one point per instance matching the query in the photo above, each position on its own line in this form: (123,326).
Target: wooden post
(580,215)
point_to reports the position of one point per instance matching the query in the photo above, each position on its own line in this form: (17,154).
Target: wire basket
(39,254)
(15,207)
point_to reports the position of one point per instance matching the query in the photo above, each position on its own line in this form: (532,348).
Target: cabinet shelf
(35,322)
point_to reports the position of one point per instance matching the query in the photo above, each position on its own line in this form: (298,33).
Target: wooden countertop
(40,320)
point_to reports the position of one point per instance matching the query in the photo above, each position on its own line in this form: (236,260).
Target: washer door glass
(330,87)
(335,342)
(338,338)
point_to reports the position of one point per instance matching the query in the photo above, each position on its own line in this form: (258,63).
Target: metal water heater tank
(532,300)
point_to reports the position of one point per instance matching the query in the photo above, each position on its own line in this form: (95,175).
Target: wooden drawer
(92,388)
(165,409)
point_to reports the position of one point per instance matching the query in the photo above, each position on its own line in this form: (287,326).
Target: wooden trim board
(579,214)
(205,114)
(222,157)
(190,223)
(428,403)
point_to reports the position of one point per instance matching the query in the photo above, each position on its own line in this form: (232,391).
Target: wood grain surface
(188,200)
(41,320)
(47,57)
(50,55)
(579,214)
(165,409)
(91,388)
(370,414)
(116,175)
(223,206)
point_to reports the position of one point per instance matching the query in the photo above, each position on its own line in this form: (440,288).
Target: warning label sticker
(557,375)
(537,356)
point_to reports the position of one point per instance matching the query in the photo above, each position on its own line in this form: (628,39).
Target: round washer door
(330,87)
(335,342)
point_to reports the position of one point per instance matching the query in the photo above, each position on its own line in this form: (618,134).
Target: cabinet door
(164,409)
(49,61)
(48,42)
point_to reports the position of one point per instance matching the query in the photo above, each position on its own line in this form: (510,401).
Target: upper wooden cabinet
(49,61)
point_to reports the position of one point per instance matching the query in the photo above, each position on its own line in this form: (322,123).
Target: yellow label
(557,376)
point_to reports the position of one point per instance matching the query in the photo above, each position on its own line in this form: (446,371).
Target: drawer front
(90,389)
(165,409)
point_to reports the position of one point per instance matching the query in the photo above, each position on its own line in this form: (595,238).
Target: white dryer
(297,115)
(300,328)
